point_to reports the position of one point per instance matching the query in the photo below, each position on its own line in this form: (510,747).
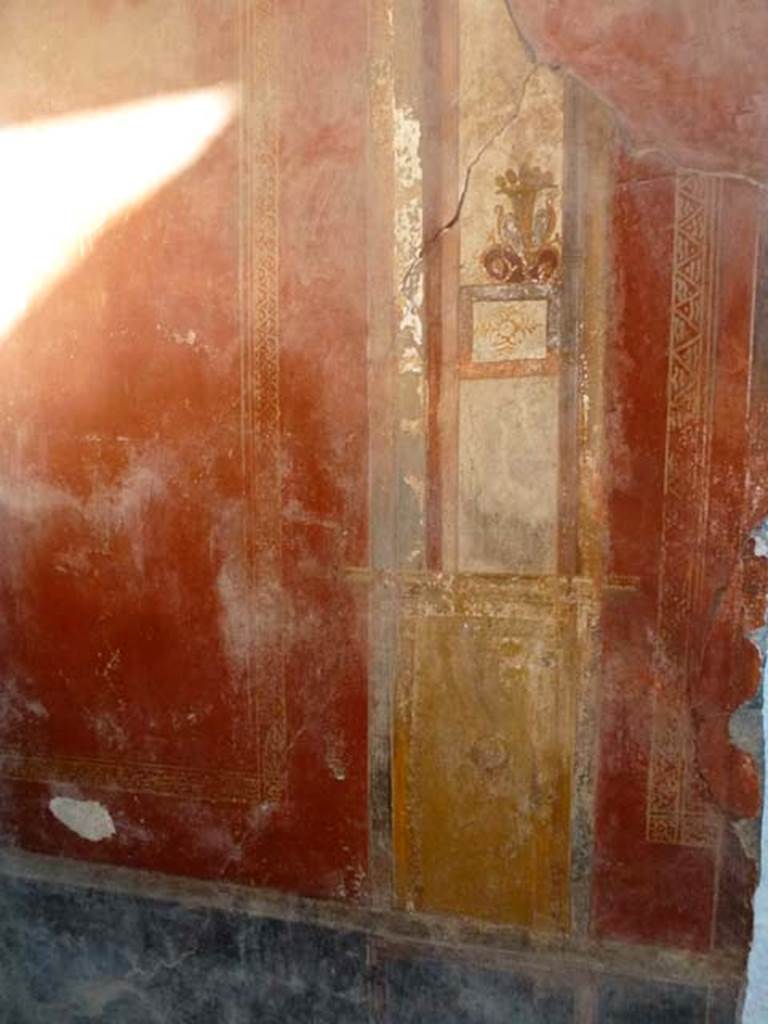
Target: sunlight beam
(64,179)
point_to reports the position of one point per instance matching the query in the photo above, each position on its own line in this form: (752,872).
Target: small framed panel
(509,330)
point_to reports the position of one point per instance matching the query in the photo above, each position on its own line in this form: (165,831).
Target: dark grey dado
(80,955)
(73,956)
(436,992)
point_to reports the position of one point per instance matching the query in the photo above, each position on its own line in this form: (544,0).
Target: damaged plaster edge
(637,151)
(755,1008)
(410,384)
(409,229)
(407,147)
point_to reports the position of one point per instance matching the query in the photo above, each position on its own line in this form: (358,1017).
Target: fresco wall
(183,479)
(383,413)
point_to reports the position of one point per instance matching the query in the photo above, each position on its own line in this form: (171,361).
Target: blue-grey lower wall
(424,991)
(75,955)
(69,956)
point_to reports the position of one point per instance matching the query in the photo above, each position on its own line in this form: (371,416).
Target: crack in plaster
(483,149)
(637,152)
(149,973)
(640,152)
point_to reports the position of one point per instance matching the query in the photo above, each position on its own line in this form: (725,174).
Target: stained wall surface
(383,419)
(185,428)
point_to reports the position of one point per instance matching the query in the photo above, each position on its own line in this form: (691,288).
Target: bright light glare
(64,179)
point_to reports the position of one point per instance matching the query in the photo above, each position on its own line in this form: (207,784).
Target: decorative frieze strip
(132,777)
(263,686)
(677,808)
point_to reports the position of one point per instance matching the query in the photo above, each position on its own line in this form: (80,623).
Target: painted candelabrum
(526,244)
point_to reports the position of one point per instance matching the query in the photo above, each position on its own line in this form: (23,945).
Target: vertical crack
(454,218)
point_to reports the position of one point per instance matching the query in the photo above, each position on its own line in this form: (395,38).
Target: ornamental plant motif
(526,246)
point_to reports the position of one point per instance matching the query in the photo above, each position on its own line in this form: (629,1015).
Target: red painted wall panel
(180,641)
(676,664)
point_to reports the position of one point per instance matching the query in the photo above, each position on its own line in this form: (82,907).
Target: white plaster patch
(87,818)
(409,220)
(411,324)
(761,544)
(408,223)
(416,485)
(407,140)
(410,360)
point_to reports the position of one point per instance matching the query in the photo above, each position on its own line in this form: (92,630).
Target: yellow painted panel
(482,764)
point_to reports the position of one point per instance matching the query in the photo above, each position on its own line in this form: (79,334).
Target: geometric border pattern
(678,809)
(264,697)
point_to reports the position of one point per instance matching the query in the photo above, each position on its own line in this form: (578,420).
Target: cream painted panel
(508,469)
